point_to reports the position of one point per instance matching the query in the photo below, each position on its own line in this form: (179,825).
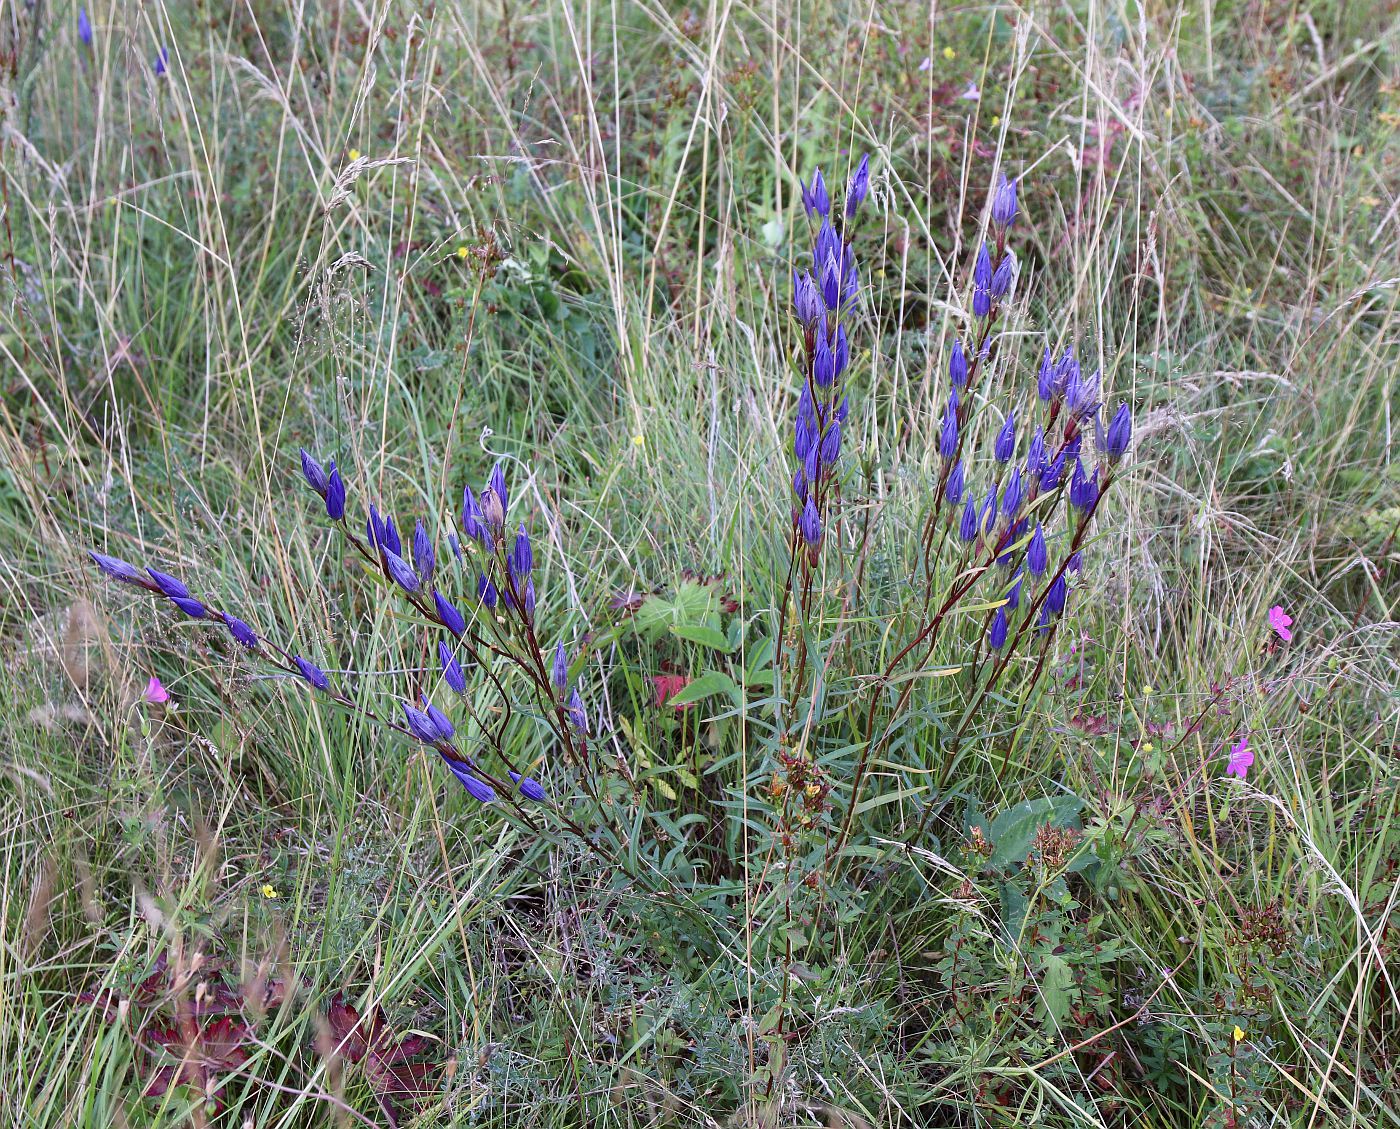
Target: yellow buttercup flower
(462,252)
(354,154)
(1239,1033)
(639,440)
(268,891)
(949,54)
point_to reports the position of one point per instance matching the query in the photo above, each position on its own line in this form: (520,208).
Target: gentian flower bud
(989,510)
(1082,393)
(982,269)
(497,482)
(420,724)
(957,483)
(1043,623)
(455,544)
(1051,475)
(424,558)
(372,528)
(169,585)
(117,568)
(831,445)
(841,351)
(1066,372)
(1001,280)
(521,559)
(162,61)
(858,187)
(400,571)
(967,527)
(1004,202)
(1084,489)
(335,494)
(486,592)
(1045,386)
(84,27)
(843,409)
(1013,595)
(1014,495)
(312,471)
(804,436)
(452,671)
(1037,556)
(241,631)
(996,637)
(948,435)
(493,514)
(472,524)
(451,618)
(823,362)
(578,716)
(528,603)
(192,608)
(389,537)
(559,669)
(1056,596)
(957,365)
(530,789)
(830,280)
(312,673)
(799,484)
(1005,445)
(806,299)
(1035,454)
(477,788)
(1075,562)
(810,524)
(982,284)
(1114,444)
(440,722)
(815,198)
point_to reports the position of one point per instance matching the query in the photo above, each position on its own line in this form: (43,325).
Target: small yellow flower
(949,54)
(1147,746)
(996,120)
(268,891)
(639,440)
(1239,1033)
(1147,691)
(354,154)
(462,252)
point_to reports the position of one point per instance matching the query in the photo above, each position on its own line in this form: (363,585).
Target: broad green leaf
(710,637)
(708,684)
(1013,830)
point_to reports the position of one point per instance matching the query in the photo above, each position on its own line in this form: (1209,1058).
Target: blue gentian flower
(810,524)
(117,568)
(948,433)
(1037,556)
(858,187)
(1004,202)
(957,483)
(996,637)
(530,789)
(1005,445)
(400,571)
(477,788)
(424,558)
(559,669)
(451,618)
(312,673)
(241,631)
(1114,443)
(957,365)
(335,494)
(84,27)
(452,671)
(815,198)
(313,472)
(967,527)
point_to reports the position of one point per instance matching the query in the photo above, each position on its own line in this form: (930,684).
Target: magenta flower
(1241,758)
(1281,621)
(155,692)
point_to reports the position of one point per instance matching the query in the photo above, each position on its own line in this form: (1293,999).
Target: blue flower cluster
(824,297)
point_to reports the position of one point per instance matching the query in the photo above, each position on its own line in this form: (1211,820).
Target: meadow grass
(427,237)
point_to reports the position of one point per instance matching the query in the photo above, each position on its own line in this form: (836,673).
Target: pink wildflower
(155,692)
(1241,758)
(1281,621)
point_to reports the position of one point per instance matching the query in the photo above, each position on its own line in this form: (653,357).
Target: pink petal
(155,692)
